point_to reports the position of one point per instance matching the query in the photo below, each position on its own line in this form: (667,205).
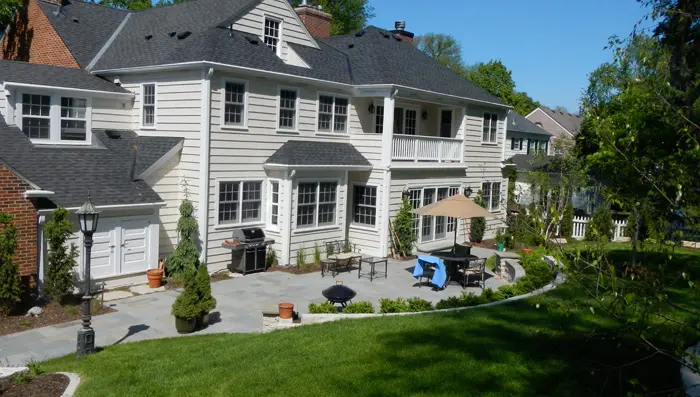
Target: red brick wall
(317,22)
(12,201)
(33,39)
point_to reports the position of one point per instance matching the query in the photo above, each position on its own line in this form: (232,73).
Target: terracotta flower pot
(155,277)
(526,251)
(286,310)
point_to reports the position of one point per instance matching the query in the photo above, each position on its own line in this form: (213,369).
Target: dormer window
(271,34)
(54,118)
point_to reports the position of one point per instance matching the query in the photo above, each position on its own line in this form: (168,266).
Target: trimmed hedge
(359,307)
(327,308)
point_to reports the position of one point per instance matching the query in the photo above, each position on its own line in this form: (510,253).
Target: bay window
(54,118)
(491,192)
(316,204)
(239,202)
(332,113)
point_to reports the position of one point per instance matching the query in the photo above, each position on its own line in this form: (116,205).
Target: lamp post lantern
(87,218)
(468,191)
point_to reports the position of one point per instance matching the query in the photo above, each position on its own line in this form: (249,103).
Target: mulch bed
(295,269)
(490,244)
(220,276)
(53,314)
(49,385)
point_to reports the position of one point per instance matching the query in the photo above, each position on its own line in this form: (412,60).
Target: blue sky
(550,45)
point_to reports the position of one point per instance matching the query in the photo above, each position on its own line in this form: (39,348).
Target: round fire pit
(339,294)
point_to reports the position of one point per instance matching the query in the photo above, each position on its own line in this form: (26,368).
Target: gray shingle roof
(105,169)
(54,76)
(518,123)
(318,153)
(526,162)
(84,27)
(572,122)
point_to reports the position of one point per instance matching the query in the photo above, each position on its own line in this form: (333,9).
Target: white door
(134,245)
(103,261)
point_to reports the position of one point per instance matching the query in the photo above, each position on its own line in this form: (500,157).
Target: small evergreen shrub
(416,304)
(271,258)
(600,227)
(9,270)
(301,258)
(398,305)
(566,228)
(202,281)
(60,260)
(477,226)
(185,258)
(327,308)
(359,307)
(537,272)
(403,229)
(186,305)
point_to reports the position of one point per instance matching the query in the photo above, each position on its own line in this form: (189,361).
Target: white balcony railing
(426,148)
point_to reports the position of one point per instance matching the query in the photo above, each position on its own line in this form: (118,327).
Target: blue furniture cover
(440,275)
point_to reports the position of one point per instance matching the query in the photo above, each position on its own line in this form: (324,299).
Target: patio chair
(473,267)
(337,248)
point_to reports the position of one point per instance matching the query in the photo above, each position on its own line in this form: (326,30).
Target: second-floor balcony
(418,148)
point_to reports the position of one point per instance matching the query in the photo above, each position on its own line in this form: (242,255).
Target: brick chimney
(317,22)
(400,31)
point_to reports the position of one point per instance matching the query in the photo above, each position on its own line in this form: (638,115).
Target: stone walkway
(240,303)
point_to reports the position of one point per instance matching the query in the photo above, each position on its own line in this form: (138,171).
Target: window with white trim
(332,113)
(274,203)
(271,35)
(405,120)
(379,120)
(429,228)
(288,109)
(364,210)
(316,204)
(490,128)
(239,202)
(148,105)
(491,192)
(54,118)
(235,103)
(36,116)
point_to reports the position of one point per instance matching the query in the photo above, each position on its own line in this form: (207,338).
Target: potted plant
(501,241)
(186,308)
(206,302)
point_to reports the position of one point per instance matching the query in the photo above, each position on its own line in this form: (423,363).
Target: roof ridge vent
(351,45)
(385,34)
(184,35)
(148,37)
(360,33)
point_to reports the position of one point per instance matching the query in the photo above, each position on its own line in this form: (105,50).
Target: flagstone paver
(240,302)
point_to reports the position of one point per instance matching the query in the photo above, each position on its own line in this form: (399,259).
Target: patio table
(452,261)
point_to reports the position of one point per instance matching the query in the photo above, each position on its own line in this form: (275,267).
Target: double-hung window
(235,98)
(365,205)
(332,113)
(491,192)
(48,119)
(490,128)
(428,228)
(288,108)
(316,204)
(240,202)
(148,105)
(271,34)
(379,120)
(516,143)
(36,116)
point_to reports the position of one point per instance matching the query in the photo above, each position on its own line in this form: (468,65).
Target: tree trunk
(635,237)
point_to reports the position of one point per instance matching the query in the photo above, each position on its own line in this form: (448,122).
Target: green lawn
(558,348)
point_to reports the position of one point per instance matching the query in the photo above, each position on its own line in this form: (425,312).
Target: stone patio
(240,300)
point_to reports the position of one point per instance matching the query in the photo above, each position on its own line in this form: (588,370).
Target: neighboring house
(235,105)
(524,137)
(564,126)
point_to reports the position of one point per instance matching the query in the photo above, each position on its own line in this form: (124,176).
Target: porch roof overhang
(297,154)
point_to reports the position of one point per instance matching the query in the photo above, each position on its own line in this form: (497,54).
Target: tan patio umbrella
(457,206)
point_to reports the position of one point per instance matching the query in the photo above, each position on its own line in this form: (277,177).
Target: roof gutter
(114,207)
(37,193)
(97,93)
(315,167)
(404,88)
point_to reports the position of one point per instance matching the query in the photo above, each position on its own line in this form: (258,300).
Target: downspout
(204,141)
(41,249)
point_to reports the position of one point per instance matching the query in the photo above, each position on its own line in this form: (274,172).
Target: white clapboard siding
(292,30)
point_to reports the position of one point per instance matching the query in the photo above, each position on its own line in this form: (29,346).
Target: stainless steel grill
(248,250)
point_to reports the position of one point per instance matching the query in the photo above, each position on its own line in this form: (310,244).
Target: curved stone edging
(73,385)
(323,317)
(691,379)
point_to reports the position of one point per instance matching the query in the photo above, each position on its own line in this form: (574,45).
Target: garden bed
(48,385)
(53,314)
(311,268)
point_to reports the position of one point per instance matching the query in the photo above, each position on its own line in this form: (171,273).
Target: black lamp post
(87,218)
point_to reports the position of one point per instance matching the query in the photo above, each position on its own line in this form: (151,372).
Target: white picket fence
(581,223)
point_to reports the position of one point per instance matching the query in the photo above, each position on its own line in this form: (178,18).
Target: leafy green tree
(443,48)
(497,79)
(403,228)
(132,5)
(567,222)
(185,258)
(600,227)
(58,282)
(477,226)
(9,269)
(348,16)
(8,11)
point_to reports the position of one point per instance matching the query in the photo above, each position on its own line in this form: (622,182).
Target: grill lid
(249,234)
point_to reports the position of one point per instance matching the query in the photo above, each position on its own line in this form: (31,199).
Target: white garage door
(122,246)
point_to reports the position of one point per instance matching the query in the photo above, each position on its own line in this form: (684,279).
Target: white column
(387,151)
(463,130)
